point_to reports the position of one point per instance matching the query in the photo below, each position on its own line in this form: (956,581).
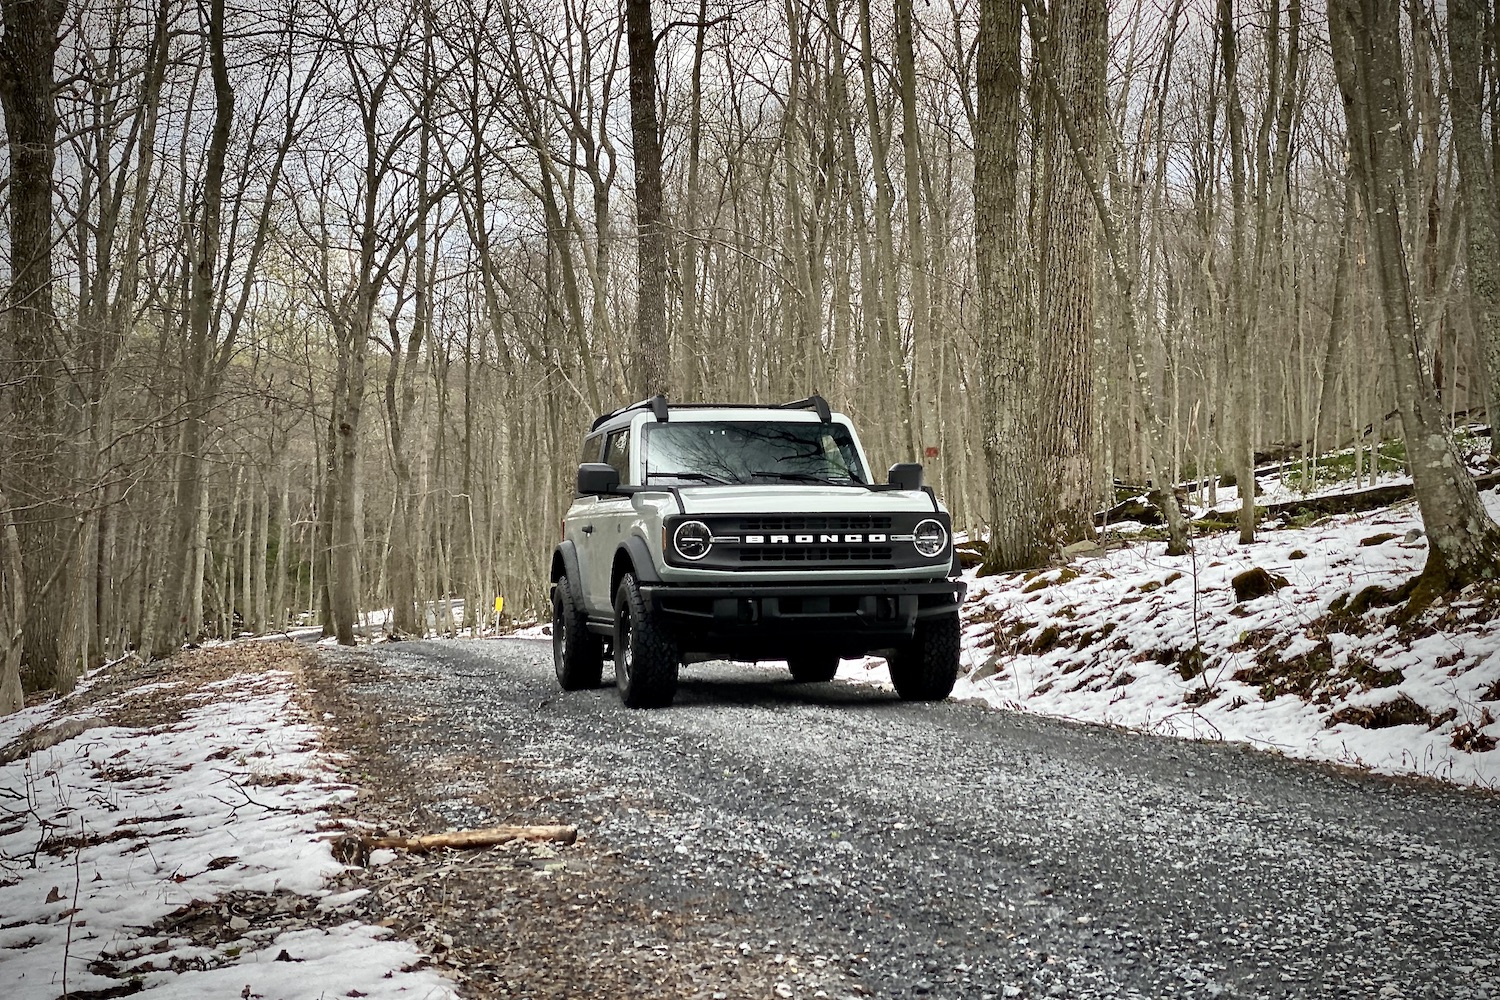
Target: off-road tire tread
(655,657)
(927,668)
(582,665)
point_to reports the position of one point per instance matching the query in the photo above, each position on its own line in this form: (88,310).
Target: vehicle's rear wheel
(577,653)
(813,667)
(926,668)
(646,656)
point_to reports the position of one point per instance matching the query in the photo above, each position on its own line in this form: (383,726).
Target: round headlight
(930,538)
(692,540)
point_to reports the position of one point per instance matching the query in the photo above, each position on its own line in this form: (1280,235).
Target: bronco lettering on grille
(875,539)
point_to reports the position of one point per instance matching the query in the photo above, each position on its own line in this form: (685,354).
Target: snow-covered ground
(1135,638)
(1112,637)
(184,803)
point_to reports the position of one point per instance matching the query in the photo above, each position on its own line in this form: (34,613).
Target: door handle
(588,529)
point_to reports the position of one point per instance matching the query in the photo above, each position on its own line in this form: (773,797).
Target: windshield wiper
(697,477)
(801,477)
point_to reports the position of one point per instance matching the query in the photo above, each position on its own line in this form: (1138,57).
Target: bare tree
(1123,270)
(916,229)
(12,611)
(202,357)
(1463,542)
(1006,312)
(1066,263)
(650,374)
(1467,32)
(34,469)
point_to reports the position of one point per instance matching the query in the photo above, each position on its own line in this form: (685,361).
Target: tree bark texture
(490,836)
(652,349)
(926,357)
(1466,36)
(1121,269)
(1067,254)
(1007,336)
(1463,541)
(12,610)
(1242,307)
(343,559)
(200,374)
(34,466)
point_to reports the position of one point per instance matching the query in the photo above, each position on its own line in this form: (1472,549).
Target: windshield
(735,451)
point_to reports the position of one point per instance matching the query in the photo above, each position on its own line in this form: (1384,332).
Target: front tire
(577,653)
(926,668)
(646,657)
(813,668)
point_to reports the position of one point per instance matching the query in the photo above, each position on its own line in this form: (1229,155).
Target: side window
(617,453)
(590,449)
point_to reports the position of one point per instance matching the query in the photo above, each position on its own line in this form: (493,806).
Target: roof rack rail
(813,402)
(661,408)
(656,404)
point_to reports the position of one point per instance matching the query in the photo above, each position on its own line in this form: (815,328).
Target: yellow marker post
(499,605)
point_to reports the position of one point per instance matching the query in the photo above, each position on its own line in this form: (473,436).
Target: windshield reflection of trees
(736,451)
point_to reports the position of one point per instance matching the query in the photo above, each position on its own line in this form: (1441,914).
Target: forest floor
(1286,644)
(1304,658)
(171,827)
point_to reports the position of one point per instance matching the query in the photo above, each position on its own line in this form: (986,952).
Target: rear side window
(590,449)
(617,453)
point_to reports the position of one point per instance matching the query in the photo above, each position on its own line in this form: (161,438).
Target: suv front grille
(828,522)
(796,546)
(821,554)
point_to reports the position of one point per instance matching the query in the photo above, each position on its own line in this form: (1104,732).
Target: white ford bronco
(749,533)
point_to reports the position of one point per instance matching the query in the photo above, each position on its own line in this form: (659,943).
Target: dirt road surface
(763,838)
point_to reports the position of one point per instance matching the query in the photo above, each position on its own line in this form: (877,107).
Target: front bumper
(774,619)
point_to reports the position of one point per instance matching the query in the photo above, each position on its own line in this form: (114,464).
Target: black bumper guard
(893,607)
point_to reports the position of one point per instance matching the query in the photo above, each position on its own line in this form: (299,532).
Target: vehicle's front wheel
(813,667)
(646,657)
(926,668)
(577,653)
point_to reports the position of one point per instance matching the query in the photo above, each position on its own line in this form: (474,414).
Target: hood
(780,498)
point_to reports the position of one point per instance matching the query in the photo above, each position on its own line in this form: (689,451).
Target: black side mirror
(906,475)
(595,478)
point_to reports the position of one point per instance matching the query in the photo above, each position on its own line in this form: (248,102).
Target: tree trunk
(247,556)
(343,561)
(1067,255)
(200,375)
(923,353)
(1463,541)
(652,351)
(284,561)
(1006,319)
(1242,309)
(12,611)
(1125,280)
(34,467)
(895,383)
(688,222)
(1466,28)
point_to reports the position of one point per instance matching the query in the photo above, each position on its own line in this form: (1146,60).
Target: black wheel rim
(559,632)
(626,659)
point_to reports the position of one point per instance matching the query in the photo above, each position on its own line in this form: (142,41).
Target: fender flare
(565,567)
(639,556)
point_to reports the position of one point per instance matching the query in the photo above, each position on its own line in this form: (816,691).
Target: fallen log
(38,739)
(464,839)
(1355,502)
(1358,501)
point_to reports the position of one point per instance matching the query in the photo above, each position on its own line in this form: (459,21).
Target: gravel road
(865,846)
